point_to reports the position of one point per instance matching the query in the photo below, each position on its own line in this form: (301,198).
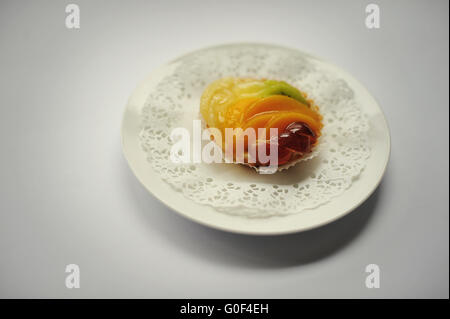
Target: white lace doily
(236,189)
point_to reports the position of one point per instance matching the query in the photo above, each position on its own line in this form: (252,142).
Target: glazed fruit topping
(297,137)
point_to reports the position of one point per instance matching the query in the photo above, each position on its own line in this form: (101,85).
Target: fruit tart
(281,116)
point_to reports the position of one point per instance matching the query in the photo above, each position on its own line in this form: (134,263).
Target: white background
(68,196)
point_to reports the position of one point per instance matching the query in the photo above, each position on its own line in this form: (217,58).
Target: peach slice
(259,121)
(278,103)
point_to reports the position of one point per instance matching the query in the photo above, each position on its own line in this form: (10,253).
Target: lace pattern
(235,189)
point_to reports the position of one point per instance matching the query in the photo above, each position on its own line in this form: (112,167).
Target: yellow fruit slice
(234,112)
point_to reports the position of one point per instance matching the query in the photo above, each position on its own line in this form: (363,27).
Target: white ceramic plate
(360,190)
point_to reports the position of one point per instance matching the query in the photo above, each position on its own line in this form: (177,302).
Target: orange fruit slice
(278,103)
(259,121)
